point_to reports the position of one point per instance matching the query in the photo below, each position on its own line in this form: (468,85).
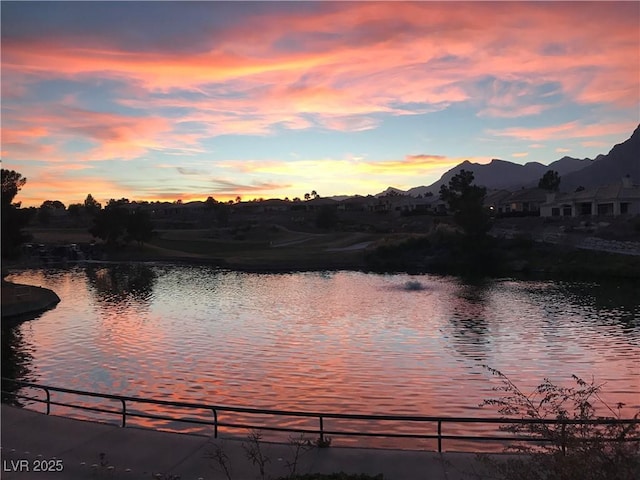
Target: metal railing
(321,432)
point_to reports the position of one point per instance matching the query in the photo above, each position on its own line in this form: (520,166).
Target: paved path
(31,440)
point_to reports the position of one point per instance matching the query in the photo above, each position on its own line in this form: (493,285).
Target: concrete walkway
(87,450)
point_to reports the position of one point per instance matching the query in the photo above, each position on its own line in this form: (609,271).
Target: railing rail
(322,432)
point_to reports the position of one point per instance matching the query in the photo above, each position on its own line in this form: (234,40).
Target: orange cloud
(47,185)
(353,172)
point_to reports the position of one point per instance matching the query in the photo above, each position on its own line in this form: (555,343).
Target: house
(526,201)
(496,201)
(357,203)
(622,198)
(404,204)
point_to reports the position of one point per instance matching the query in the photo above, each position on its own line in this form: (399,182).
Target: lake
(341,342)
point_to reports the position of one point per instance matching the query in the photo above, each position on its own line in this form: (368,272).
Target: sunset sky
(182,100)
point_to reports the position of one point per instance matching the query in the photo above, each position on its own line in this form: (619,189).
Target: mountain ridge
(623,159)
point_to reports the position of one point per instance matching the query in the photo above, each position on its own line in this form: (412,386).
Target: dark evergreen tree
(550,181)
(139,226)
(466,202)
(14,218)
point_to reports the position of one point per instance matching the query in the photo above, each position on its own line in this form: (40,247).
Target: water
(343,342)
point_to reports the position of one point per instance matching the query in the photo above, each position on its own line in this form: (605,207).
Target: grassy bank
(275,248)
(453,254)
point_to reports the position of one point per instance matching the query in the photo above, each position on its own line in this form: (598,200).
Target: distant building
(526,201)
(622,198)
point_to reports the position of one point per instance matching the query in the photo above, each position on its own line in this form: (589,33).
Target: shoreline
(21,302)
(536,269)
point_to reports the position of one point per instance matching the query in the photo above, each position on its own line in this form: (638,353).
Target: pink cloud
(115,136)
(566,130)
(387,54)
(350,64)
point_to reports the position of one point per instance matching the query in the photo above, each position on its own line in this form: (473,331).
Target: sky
(185,100)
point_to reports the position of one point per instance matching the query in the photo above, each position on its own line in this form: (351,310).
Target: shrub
(580,450)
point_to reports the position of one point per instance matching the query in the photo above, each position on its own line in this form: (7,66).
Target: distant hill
(623,159)
(391,191)
(502,175)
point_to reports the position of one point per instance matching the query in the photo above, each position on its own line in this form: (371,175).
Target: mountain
(622,160)
(391,191)
(504,175)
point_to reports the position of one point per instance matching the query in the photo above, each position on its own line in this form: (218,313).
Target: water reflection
(118,283)
(337,342)
(468,319)
(17,362)
(611,301)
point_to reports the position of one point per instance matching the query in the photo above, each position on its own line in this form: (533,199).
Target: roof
(615,191)
(528,195)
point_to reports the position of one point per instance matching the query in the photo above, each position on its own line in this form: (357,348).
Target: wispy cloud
(229,187)
(87,83)
(566,130)
(191,171)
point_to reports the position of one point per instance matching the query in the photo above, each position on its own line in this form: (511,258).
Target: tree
(45,212)
(139,226)
(307,196)
(210,203)
(14,219)
(109,224)
(314,194)
(550,181)
(466,201)
(116,224)
(75,209)
(222,214)
(91,205)
(12,182)
(53,204)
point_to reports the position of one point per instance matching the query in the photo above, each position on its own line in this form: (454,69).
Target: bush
(580,450)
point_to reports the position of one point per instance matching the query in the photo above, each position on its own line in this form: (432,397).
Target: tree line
(117,224)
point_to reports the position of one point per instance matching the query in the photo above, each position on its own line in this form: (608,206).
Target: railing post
(564,438)
(439,436)
(321,430)
(124,413)
(215,423)
(48,400)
